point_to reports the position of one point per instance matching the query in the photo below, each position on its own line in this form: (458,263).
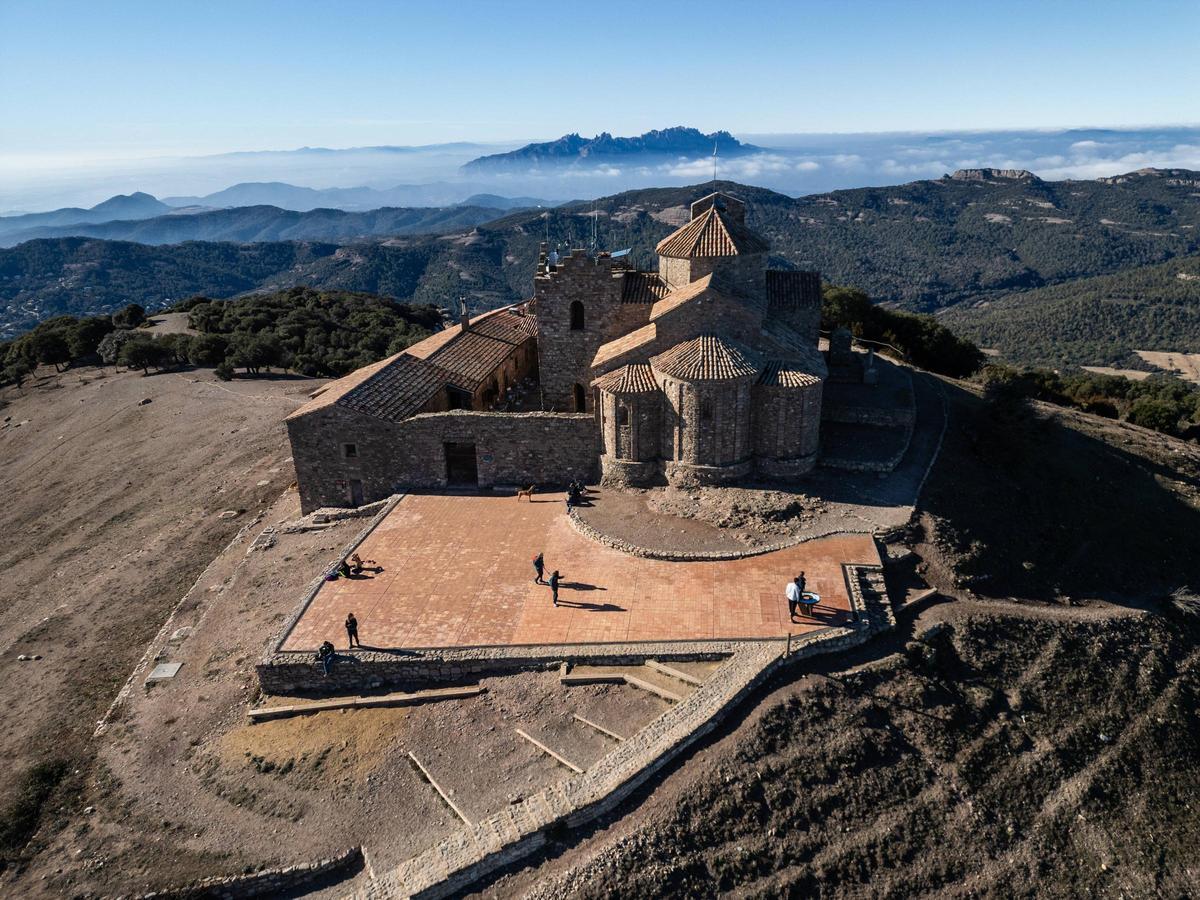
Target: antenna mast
(714,164)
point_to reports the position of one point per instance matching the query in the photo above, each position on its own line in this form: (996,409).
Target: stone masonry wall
(565,355)
(263,883)
(787,421)
(511,448)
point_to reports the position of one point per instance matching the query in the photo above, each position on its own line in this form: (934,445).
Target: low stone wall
(515,832)
(591,533)
(882,417)
(357,670)
(263,883)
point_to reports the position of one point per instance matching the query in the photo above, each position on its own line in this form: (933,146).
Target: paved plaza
(457,572)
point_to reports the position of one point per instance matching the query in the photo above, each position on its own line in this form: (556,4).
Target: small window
(705,410)
(580,398)
(576,316)
(350,451)
(622,415)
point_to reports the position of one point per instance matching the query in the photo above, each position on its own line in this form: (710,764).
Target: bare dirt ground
(112,508)
(1185,365)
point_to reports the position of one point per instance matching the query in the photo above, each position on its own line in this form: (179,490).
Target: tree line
(315,333)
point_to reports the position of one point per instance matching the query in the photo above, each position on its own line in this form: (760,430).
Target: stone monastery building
(706,371)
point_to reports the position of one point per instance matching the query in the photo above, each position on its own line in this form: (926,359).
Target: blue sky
(89,81)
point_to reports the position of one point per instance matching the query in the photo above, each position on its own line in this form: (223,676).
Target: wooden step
(673,672)
(263,713)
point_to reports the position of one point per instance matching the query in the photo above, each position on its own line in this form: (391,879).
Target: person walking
(539,568)
(554,586)
(352,631)
(793,594)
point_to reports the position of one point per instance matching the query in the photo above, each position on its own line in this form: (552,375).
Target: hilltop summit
(573,148)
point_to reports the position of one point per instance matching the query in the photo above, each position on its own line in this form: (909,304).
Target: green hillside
(921,246)
(1091,321)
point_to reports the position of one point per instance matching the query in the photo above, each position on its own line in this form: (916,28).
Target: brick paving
(458,573)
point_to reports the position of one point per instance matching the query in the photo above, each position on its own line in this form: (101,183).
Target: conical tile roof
(708,357)
(712,233)
(631,379)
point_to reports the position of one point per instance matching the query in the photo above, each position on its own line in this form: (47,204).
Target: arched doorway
(576,316)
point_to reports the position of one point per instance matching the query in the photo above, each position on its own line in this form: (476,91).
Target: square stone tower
(577,301)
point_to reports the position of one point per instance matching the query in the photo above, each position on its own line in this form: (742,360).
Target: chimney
(464,317)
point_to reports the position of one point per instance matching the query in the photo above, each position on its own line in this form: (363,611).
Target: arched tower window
(580,399)
(622,414)
(576,316)
(705,410)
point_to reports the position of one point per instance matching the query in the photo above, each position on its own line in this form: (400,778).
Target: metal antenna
(714,164)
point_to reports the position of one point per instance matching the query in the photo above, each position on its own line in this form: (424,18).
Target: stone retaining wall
(263,883)
(514,833)
(591,533)
(298,672)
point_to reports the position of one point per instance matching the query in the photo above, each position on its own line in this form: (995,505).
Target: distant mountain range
(258,212)
(928,245)
(248,224)
(648,148)
(123,206)
(302,199)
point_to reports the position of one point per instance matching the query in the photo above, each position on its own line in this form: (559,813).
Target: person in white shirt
(794,594)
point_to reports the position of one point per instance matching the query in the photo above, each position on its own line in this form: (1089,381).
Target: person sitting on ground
(344,569)
(325,655)
(356,564)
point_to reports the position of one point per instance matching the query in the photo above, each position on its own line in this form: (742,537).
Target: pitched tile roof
(642,287)
(506,325)
(680,296)
(788,290)
(631,379)
(786,373)
(627,342)
(708,357)
(335,390)
(398,390)
(712,233)
(470,358)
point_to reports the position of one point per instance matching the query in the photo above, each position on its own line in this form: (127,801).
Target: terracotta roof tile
(615,348)
(712,233)
(789,290)
(708,357)
(642,287)
(335,390)
(785,373)
(470,358)
(506,325)
(631,379)
(680,296)
(398,390)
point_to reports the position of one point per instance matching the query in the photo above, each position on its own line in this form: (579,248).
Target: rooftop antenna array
(714,164)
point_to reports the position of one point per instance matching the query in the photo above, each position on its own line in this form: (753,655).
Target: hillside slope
(1091,321)
(925,245)
(1034,736)
(246,224)
(115,485)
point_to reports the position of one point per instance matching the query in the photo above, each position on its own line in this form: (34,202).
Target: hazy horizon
(795,164)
